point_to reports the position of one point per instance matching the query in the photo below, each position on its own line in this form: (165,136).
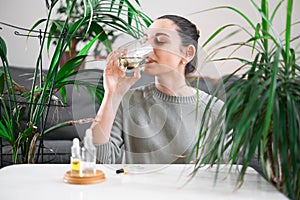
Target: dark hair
(189,34)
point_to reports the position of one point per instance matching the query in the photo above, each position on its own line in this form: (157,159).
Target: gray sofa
(56,146)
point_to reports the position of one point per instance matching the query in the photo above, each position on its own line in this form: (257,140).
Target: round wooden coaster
(85,178)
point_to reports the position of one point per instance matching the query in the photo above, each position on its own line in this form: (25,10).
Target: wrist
(113,97)
(110,102)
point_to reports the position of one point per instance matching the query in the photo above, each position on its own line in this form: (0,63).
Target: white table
(153,182)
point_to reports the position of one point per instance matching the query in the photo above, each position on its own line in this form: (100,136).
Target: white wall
(20,13)
(25,13)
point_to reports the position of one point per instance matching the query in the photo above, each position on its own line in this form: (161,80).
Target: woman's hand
(115,80)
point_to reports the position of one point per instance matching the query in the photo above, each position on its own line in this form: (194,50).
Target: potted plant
(261,115)
(105,16)
(36,100)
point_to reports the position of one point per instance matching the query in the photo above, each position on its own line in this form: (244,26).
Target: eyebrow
(157,34)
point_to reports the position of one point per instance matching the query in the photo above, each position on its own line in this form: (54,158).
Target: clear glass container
(88,154)
(134,54)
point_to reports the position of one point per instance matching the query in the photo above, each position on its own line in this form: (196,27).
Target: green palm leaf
(262,109)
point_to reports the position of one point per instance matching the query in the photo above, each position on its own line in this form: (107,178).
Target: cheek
(167,58)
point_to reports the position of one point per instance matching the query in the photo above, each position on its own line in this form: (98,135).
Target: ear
(190,52)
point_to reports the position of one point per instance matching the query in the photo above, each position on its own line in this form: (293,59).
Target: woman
(157,123)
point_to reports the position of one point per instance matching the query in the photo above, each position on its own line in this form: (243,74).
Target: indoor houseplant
(36,100)
(261,114)
(106,16)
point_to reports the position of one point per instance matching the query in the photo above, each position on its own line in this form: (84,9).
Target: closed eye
(161,39)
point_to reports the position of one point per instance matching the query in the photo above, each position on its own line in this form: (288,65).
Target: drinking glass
(134,54)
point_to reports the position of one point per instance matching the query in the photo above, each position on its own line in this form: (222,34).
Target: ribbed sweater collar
(173,99)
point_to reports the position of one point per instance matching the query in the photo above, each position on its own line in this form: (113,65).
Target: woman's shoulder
(208,99)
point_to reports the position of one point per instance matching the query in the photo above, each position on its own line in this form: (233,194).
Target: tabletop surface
(45,181)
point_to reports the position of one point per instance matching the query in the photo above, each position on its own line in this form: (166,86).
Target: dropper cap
(88,139)
(75,148)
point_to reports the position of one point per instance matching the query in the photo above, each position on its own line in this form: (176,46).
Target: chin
(156,69)
(147,68)
(148,71)
(152,69)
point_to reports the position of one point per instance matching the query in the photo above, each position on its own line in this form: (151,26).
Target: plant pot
(68,55)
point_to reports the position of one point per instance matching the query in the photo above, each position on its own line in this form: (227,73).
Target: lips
(150,60)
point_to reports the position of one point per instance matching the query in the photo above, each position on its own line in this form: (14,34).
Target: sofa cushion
(59,113)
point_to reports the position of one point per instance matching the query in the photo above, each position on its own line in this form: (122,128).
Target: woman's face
(167,51)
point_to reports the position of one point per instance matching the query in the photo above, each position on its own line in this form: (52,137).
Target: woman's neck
(174,86)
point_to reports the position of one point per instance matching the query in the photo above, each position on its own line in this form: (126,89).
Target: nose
(150,42)
(146,47)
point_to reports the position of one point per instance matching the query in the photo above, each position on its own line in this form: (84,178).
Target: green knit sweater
(155,128)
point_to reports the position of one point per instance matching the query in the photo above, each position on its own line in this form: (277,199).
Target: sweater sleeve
(111,152)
